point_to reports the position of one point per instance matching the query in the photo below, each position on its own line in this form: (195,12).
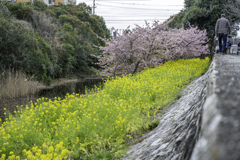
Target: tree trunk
(136,66)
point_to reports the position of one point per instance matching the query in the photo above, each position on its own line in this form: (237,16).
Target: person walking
(222,29)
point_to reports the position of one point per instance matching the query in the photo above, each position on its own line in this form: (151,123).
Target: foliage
(81,31)
(39,5)
(204,14)
(50,41)
(4,12)
(84,8)
(189,3)
(21,11)
(51,33)
(22,49)
(176,20)
(97,125)
(150,46)
(83,13)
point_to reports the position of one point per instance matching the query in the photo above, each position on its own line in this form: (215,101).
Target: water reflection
(57,91)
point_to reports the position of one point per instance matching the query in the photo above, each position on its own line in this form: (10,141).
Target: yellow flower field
(97,125)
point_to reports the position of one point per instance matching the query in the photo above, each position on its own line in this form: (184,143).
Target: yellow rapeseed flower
(51,149)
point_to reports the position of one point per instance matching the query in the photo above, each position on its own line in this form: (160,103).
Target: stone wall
(219,138)
(179,127)
(204,124)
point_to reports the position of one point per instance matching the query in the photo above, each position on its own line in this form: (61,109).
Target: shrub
(22,49)
(40,5)
(21,11)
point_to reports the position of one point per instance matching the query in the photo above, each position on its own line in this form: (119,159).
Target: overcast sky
(122,13)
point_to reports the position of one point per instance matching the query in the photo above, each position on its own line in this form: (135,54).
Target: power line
(120,13)
(138,8)
(140,3)
(135,4)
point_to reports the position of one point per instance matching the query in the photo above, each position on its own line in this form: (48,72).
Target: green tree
(84,7)
(81,31)
(189,3)
(81,39)
(176,20)
(39,5)
(21,11)
(50,41)
(204,14)
(22,49)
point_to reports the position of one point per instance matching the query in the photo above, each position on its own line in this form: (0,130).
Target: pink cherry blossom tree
(150,46)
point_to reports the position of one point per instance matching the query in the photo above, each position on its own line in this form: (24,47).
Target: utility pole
(94,6)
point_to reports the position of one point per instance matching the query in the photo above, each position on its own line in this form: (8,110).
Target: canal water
(57,91)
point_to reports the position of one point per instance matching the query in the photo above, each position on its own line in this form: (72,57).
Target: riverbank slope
(204,123)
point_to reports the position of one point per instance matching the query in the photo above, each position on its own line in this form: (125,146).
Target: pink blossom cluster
(150,46)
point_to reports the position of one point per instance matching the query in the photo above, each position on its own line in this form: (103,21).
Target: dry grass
(16,84)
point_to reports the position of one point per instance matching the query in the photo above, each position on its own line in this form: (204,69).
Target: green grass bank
(100,124)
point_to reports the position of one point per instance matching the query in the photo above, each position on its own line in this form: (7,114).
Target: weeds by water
(100,124)
(16,84)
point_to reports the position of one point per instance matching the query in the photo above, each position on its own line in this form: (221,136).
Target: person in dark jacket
(222,29)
